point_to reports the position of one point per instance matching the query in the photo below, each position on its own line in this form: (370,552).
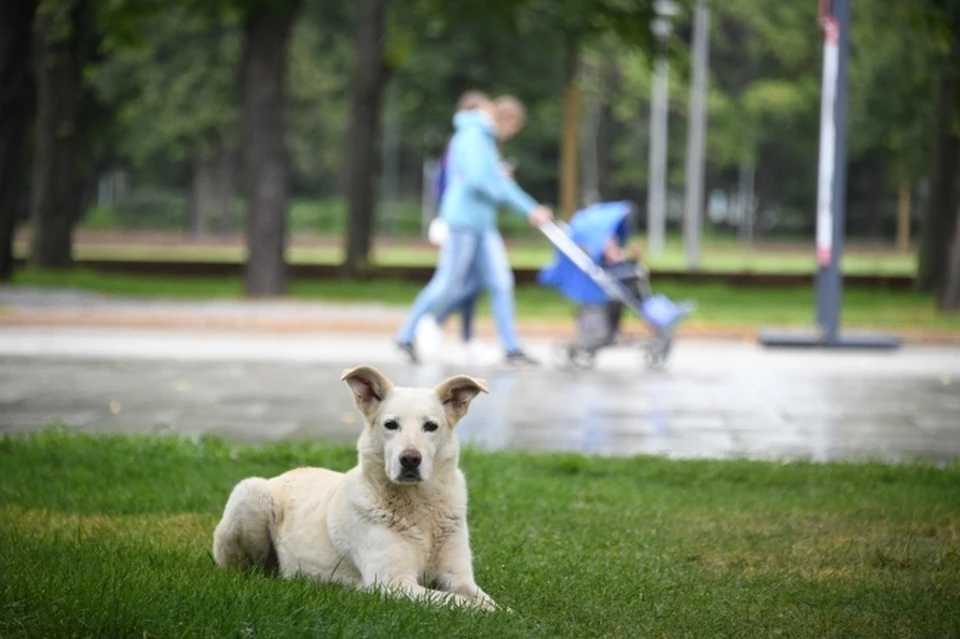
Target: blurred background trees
(279,117)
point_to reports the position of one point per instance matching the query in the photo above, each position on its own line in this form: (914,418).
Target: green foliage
(320,57)
(175,89)
(894,120)
(56,16)
(170,76)
(581,21)
(145,209)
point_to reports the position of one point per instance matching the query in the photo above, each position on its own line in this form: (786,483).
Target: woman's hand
(539,215)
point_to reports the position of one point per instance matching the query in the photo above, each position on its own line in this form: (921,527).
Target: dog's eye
(391,424)
(430,426)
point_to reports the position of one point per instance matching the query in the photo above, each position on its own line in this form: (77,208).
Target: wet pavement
(715,399)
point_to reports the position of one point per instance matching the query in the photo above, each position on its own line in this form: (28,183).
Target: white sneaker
(429,337)
(471,352)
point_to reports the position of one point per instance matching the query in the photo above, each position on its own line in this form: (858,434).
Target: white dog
(398,520)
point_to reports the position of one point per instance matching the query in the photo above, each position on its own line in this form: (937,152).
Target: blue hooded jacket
(475,185)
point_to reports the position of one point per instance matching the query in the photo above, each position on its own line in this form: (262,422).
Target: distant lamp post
(696,136)
(662,28)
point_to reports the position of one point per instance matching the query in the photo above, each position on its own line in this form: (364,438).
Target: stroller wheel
(653,358)
(562,354)
(656,352)
(583,358)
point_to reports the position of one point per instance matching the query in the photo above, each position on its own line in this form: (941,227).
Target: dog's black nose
(410,459)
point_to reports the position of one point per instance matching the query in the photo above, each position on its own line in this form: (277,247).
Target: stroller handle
(564,243)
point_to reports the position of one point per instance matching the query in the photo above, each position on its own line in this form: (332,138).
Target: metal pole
(391,153)
(657,186)
(746,202)
(831,193)
(833,170)
(693,195)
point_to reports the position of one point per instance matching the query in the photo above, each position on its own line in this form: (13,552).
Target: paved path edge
(554,329)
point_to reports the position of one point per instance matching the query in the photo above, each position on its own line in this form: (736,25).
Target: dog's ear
(456,394)
(369,387)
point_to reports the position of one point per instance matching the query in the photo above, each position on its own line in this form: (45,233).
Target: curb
(552,329)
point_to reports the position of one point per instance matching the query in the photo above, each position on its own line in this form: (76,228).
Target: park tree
(939,251)
(16,20)
(939,259)
(175,92)
(362,152)
(196,100)
(266,26)
(65,36)
(892,105)
(321,52)
(70,121)
(764,101)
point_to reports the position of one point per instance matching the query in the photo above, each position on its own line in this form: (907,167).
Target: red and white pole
(828,136)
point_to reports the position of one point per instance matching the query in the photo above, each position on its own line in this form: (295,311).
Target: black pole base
(782,338)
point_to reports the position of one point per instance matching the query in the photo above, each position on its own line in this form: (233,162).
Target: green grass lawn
(110,536)
(718,305)
(719,255)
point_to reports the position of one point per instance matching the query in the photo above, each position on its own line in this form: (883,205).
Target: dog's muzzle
(409,477)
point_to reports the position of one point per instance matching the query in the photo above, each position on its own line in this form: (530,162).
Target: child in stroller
(593,269)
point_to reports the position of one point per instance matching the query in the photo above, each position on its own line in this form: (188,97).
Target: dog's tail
(244,536)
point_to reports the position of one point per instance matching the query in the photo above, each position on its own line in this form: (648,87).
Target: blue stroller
(601,293)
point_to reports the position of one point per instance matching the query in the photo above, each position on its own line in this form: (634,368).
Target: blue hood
(474,118)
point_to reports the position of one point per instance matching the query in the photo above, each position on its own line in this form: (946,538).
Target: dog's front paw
(484,602)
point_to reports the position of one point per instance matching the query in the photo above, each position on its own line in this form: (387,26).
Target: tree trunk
(203,184)
(16,20)
(903,218)
(362,155)
(226,189)
(949,298)
(940,216)
(877,176)
(266,33)
(213,191)
(56,201)
(764,189)
(607,133)
(571,137)
(590,125)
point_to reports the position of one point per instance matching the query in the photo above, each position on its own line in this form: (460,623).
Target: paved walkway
(716,399)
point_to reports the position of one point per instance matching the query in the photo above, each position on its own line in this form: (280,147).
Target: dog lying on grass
(397,521)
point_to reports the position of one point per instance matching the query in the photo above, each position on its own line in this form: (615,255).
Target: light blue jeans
(457,259)
(490,271)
